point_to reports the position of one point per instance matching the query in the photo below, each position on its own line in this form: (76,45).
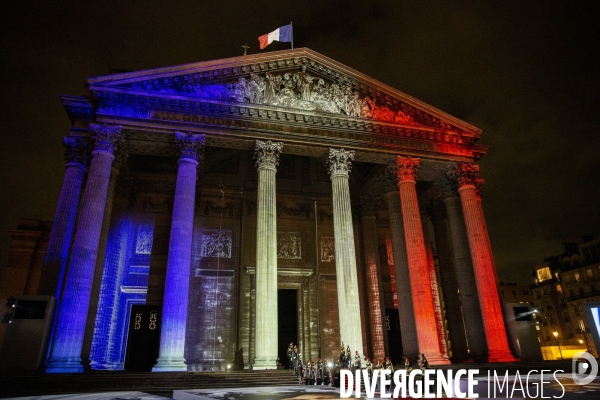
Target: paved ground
(552,389)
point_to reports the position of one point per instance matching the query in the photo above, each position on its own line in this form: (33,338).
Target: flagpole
(292,26)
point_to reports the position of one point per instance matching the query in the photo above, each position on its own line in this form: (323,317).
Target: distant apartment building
(563,287)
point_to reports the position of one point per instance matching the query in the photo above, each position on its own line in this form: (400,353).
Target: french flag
(281,34)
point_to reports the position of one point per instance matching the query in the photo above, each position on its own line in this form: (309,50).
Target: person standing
(299,368)
(289,355)
(348,357)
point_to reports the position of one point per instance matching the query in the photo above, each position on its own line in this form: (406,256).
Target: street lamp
(557,342)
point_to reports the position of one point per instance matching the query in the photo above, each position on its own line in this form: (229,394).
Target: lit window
(590,273)
(544,274)
(577,277)
(558,289)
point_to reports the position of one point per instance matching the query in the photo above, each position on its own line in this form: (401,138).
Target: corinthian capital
(340,162)
(76,150)
(267,153)
(468,174)
(369,206)
(388,180)
(190,146)
(447,185)
(106,137)
(406,168)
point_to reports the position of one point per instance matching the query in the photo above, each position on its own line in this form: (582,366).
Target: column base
(262,364)
(501,357)
(64,366)
(170,365)
(437,360)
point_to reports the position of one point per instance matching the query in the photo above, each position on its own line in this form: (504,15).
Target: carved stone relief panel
(216,243)
(327,249)
(289,245)
(145,235)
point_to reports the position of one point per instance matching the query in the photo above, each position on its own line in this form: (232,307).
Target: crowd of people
(327,372)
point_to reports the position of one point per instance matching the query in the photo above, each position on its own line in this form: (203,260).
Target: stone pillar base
(264,364)
(437,360)
(170,365)
(500,357)
(64,366)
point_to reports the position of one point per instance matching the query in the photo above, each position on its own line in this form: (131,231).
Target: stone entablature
(285,96)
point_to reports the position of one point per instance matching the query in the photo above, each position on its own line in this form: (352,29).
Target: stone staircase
(161,384)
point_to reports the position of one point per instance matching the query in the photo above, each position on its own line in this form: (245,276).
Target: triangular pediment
(299,79)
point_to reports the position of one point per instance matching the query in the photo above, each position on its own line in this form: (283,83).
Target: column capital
(76,150)
(388,180)
(369,206)
(425,209)
(106,137)
(468,174)
(340,162)
(191,146)
(121,155)
(406,168)
(447,185)
(267,154)
(438,211)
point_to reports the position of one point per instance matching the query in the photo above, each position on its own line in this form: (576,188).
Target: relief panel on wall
(327,249)
(289,245)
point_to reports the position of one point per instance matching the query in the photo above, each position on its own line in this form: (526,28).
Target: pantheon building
(212,213)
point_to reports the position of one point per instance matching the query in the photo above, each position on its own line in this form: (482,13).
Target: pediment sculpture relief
(299,90)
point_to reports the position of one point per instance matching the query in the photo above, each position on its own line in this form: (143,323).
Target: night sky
(526,72)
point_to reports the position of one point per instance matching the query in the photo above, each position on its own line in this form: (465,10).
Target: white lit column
(345,257)
(267,159)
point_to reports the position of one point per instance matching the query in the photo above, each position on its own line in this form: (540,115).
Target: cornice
(278,61)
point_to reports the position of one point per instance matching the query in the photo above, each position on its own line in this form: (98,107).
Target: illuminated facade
(196,196)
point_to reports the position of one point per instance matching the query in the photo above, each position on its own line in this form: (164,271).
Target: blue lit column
(66,353)
(172,336)
(267,158)
(55,262)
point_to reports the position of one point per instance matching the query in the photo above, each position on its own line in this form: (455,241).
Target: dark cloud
(524,72)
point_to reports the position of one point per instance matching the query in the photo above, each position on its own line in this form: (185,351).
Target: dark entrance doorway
(143,339)
(394,336)
(287,322)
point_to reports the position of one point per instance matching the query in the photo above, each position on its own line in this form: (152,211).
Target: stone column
(461,257)
(420,283)
(470,183)
(425,210)
(174,313)
(408,328)
(68,340)
(267,159)
(375,303)
(454,316)
(345,257)
(55,262)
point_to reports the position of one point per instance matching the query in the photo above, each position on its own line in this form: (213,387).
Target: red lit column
(389,183)
(373,271)
(467,175)
(427,337)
